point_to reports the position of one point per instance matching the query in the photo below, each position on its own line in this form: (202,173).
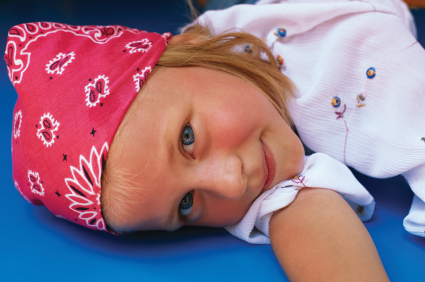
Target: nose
(223,176)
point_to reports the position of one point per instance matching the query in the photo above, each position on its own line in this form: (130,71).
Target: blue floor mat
(37,246)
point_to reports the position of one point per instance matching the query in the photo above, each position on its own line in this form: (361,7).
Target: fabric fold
(319,171)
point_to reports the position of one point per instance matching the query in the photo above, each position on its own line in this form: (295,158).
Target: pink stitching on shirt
(374,9)
(299,179)
(340,109)
(411,45)
(360,99)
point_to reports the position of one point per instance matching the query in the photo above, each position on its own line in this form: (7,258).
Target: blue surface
(37,246)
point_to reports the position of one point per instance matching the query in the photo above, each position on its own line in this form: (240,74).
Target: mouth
(271,168)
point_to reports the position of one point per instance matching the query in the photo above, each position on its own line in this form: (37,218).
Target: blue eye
(186,204)
(187,135)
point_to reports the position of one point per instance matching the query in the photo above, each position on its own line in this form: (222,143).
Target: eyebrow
(169,137)
(170,145)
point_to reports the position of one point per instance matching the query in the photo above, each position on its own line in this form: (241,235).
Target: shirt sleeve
(415,220)
(319,171)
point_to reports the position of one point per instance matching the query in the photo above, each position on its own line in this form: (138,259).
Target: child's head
(207,133)
(210,127)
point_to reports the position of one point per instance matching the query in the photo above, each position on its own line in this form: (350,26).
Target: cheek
(233,123)
(228,213)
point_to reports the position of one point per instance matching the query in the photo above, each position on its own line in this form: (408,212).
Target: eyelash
(181,145)
(183,218)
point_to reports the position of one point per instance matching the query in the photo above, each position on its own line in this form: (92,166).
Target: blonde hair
(224,52)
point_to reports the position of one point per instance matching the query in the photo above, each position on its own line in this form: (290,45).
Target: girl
(212,144)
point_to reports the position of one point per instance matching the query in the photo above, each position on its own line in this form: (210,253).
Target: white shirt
(360,78)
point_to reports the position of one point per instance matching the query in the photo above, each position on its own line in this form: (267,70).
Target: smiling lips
(271,167)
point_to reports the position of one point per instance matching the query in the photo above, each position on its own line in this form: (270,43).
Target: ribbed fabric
(415,221)
(360,78)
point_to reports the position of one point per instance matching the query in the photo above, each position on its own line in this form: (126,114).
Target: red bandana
(74,85)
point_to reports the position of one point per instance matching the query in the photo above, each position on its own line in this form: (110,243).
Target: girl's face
(204,132)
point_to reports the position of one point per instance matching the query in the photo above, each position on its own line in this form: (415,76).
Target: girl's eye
(188,139)
(186,204)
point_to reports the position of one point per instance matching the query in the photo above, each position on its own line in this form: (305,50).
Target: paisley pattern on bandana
(141,77)
(31,28)
(139,46)
(17,124)
(58,64)
(14,65)
(102,33)
(96,90)
(167,37)
(35,183)
(46,132)
(17,62)
(84,188)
